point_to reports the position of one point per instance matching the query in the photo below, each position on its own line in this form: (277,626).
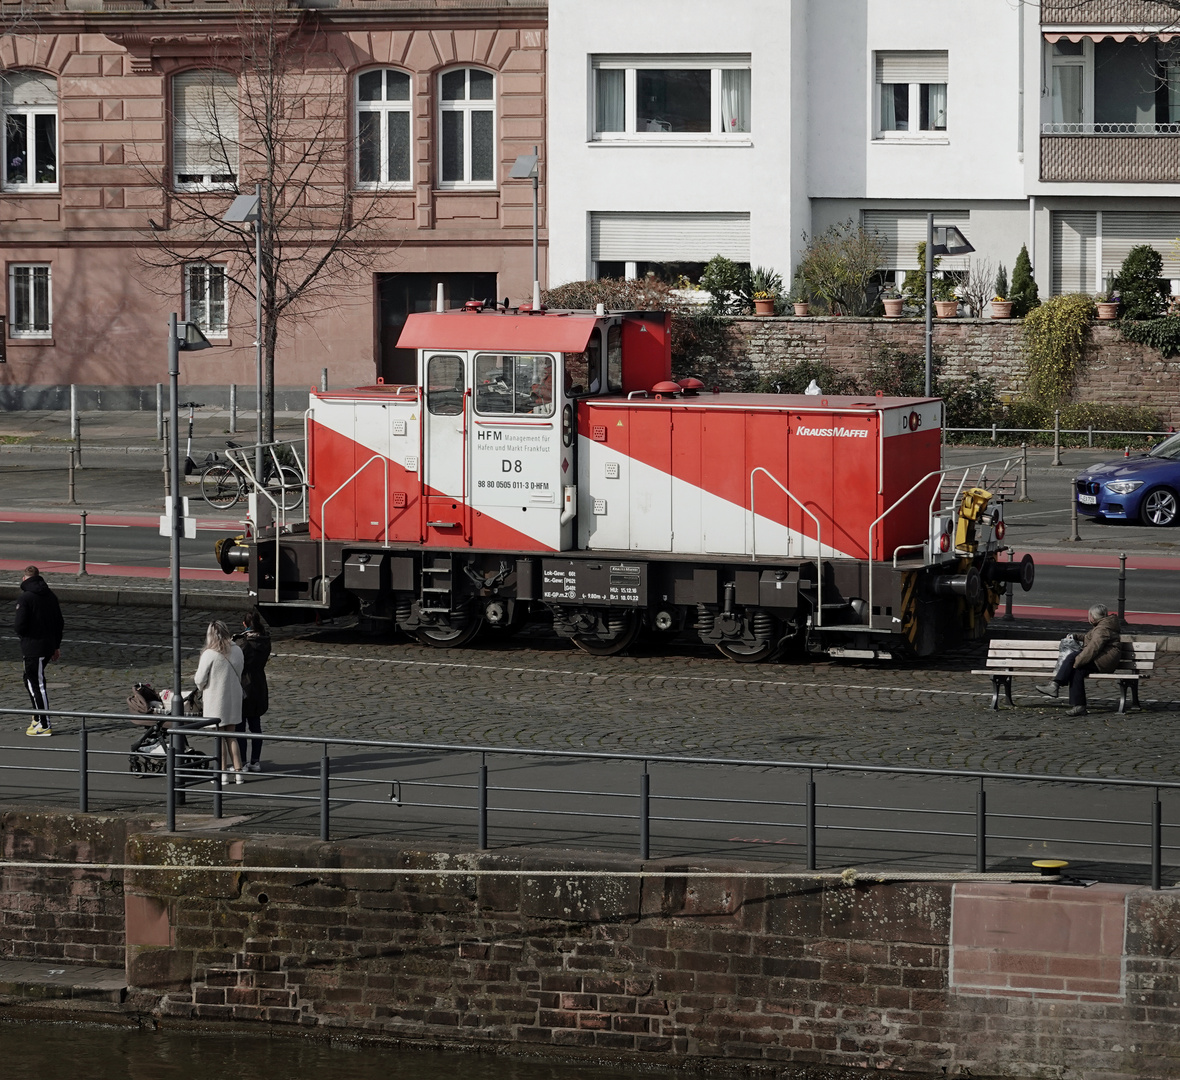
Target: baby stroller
(149,753)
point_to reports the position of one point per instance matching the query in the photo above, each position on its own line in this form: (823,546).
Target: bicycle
(226,482)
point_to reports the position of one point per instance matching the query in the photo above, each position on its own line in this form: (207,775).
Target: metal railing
(185,778)
(1129,128)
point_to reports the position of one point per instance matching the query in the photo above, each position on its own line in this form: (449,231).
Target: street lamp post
(940,240)
(526,167)
(249,208)
(192,340)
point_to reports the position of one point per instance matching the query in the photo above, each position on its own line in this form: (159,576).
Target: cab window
(614,358)
(444,385)
(514,384)
(583,371)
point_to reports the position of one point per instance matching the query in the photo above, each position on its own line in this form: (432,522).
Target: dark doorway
(400,294)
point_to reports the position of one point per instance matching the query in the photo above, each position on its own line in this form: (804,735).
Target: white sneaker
(237,776)
(254,766)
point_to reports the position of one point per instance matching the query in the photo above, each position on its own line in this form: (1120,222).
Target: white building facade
(681,129)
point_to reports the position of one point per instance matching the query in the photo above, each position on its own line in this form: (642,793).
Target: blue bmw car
(1145,487)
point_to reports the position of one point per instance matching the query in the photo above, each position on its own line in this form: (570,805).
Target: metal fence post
(810,819)
(1122,587)
(159,412)
(218,777)
(83,769)
(233,408)
(170,779)
(1090,435)
(1024,474)
(1008,593)
(82,545)
(981,829)
(644,805)
(73,501)
(167,476)
(1056,436)
(483,803)
(993,434)
(1073,513)
(324,811)
(1156,822)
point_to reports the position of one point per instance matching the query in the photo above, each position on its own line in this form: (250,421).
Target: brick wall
(1113,371)
(775,974)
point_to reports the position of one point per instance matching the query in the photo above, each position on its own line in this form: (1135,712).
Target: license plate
(1088,500)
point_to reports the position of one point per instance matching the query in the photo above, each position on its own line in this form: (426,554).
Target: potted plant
(1001,308)
(802,305)
(946,303)
(1107,301)
(894,303)
(765,286)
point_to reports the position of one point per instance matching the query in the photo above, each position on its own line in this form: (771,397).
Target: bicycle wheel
(287,487)
(221,486)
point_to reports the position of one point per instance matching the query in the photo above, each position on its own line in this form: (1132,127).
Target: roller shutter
(1074,239)
(903,230)
(205,124)
(911,67)
(668,237)
(1125,229)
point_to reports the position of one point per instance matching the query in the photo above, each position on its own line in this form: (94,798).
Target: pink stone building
(108,114)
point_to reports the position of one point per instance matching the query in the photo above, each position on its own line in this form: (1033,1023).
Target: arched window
(467,121)
(204,130)
(30,130)
(383,109)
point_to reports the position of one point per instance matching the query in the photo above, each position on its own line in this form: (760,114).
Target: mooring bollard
(73,501)
(82,545)
(1056,436)
(1024,473)
(233,408)
(159,412)
(1122,587)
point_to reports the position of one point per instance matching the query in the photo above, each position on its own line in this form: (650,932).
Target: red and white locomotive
(546,465)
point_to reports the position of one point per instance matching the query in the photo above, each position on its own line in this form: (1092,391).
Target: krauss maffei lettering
(837,432)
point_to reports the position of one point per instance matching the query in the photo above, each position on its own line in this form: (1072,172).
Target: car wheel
(1159,507)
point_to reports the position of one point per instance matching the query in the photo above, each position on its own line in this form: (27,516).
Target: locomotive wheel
(448,637)
(742,653)
(596,646)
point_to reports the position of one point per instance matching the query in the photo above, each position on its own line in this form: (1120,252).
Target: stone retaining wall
(1114,371)
(778,974)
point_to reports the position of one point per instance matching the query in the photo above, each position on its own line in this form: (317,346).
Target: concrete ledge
(37,981)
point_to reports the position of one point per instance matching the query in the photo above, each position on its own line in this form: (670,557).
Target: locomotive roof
(547,331)
(835,403)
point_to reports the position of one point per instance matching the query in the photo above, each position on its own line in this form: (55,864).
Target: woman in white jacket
(219,675)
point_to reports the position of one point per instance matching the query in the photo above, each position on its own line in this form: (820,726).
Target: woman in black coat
(255,642)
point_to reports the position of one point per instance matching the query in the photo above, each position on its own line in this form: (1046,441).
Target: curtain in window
(735,100)
(888,113)
(609,96)
(1172,88)
(938,106)
(1067,93)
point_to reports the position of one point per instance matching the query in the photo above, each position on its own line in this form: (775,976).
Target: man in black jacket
(39,626)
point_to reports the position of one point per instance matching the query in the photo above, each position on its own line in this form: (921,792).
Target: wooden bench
(1007,657)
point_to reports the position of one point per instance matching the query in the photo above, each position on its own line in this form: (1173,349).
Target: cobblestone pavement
(533,690)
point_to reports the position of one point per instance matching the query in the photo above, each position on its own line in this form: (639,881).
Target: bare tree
(280,129)
(976,285)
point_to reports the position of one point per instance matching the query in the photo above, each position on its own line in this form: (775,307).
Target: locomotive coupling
(1021,573)
(232,554)
(968,585)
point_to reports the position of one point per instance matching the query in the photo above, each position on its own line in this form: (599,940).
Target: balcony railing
(1097,157)
(1110,129)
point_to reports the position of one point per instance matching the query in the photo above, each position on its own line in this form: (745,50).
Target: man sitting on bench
(1099,653)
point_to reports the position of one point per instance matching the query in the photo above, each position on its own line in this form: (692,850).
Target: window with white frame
(204,131)
(671,98)
(383,129)
(467,122)
(204,291)
(30,301)
(911,95)
(30,130)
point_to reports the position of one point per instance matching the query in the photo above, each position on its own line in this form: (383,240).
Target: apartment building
(676,134)
(120,115)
